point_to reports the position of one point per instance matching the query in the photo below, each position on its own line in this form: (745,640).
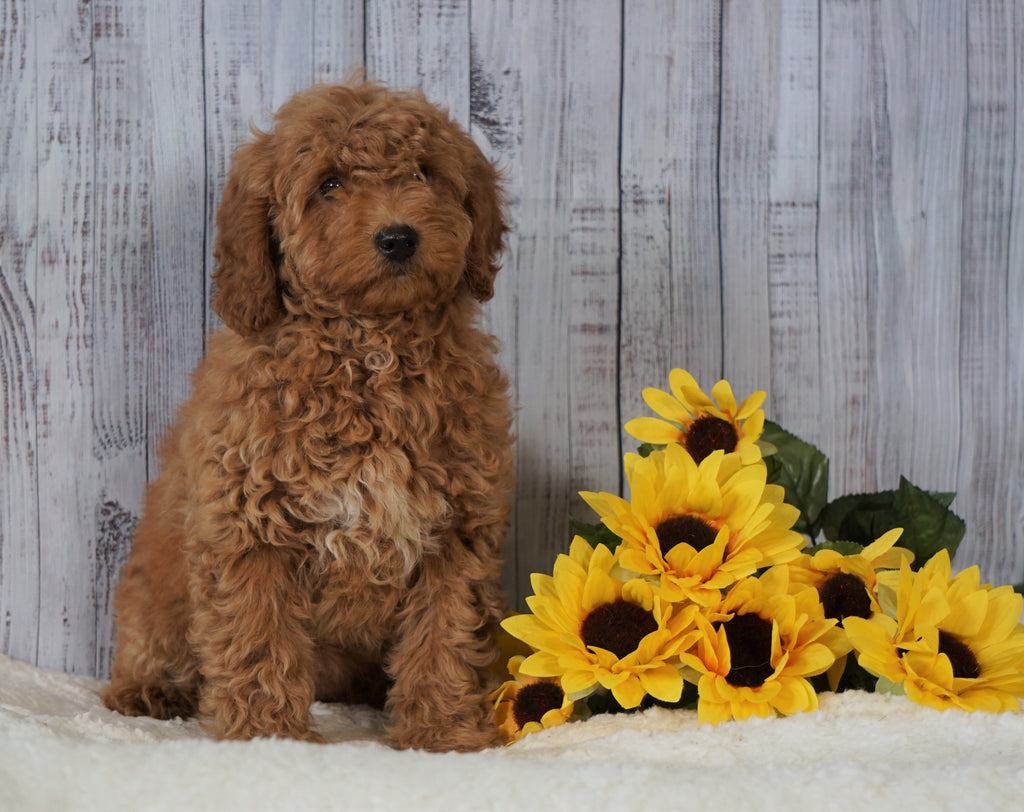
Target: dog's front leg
(250,632)
(446,641)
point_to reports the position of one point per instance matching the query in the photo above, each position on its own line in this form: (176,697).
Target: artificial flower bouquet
(701,590)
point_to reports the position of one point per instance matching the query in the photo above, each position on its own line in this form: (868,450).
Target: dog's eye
(421,174)
(331,184)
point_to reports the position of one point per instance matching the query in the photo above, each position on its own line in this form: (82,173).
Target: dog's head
(359,200)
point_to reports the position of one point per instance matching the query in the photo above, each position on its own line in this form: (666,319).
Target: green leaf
(595,534)
(802,470)
(841,547)
(861,517)
(944,498)
(928,523)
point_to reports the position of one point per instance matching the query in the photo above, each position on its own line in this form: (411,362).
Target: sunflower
(591,630)
(699,423)
(526,704)
(953,643)
(848,584)
(697,528)
(758,648)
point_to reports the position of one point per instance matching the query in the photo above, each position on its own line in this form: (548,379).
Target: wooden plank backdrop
(820,198)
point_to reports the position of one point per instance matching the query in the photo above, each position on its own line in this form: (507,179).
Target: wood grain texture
(423,43)
(986,450)
(794,380)
(65,289)
(847,263)
(749,78)
(917,202)
(1009,528)
(19,158)
(671,309)
(174,103)
(338,39)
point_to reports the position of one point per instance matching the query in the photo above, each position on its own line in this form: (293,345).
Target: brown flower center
(965,664)
(685,530)
(709,433)
(533,701)
(750,650)
(617,627)
(844,595)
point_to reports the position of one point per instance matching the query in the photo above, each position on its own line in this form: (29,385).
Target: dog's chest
(377,450)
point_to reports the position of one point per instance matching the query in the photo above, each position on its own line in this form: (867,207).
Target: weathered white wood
(422,44)
(671,310)
(19,461)
(338,39)
(918,149)
(560,275)
(750,42)
(987,450)
(795,376)
(69,434)
(1009,528)
(177,271)
(847,264)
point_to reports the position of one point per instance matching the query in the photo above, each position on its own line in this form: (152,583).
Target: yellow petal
(680,380)
(578,684)
(722,392)
(541,664)
(882,544)
(664,683)
(664,404)
(969,616)
(654,431)
(796,696)
(711,713)
(751,404)
(629,693)
(598,592)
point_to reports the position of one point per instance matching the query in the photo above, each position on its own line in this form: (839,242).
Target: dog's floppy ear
(246,253)
(484,204)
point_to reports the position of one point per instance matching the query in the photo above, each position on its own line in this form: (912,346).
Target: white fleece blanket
(61,749)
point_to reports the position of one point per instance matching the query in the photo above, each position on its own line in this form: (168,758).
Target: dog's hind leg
(154,670)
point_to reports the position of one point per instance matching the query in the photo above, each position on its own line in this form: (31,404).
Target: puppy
(328,519)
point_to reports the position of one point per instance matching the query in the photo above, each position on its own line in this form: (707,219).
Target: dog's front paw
(255,714)
(242,729)
(439,733)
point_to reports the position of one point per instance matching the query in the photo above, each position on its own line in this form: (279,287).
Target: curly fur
(329,516)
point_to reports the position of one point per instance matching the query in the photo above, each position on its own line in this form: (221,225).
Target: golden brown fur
(329,516)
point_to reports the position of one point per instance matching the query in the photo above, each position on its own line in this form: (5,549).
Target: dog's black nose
(397,242)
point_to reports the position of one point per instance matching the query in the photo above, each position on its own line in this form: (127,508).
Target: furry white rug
(61,749)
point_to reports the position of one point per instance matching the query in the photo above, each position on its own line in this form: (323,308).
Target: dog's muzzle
(396,242)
